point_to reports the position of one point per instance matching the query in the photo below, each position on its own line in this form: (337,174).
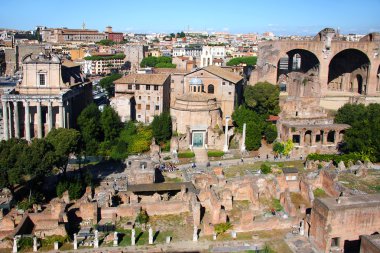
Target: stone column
(9,120)
(233,234)
(39,120)
(56,245)
(61,116)
(75,243)
(225,148)
(302,138)
(150,235)
(27,121)
(336,137)
(5,120)
(133,237)
(242,149)
(115,239)
(325,133)
(35,246)
(168,238)
(96,239)
(16,119)
(214,236)
(15,248)
(195,234)
(302,227)
(312,138)
(50,116)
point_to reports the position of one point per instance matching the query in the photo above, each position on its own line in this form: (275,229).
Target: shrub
(319,193)
(277,205)
(215,153)
(76,189)
(265,168)
(49,240)
(62,186)
(346,158)
(25,243)
(222,227)
(188,154)
(142,217)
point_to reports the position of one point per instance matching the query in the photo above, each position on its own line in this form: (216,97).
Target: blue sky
(282,17)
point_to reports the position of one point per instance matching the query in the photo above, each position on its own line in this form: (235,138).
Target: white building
(213,55)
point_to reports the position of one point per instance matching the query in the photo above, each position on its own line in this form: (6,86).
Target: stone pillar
(75,243)
(225,148)
(16,119)
(27,121)
(15,248)
(115,239)
(5,121)
(9,120)
(302,138)
(233,234)
(39,120)
(168,239)
(150,235)
(214,236)
(50,116)
(133,237)
(35,246)
(302,228)
(312,138)
(96,239)
(61,116)
(242,149)
(336,137)
(195,234)
(56,245)
(325,133)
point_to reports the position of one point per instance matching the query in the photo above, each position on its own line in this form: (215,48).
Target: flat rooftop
(359,201)
(161,187)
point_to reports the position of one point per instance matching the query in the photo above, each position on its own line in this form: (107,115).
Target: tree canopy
(364,134)
(107,83)
(249,61)
(157,62)
(263,98)
(111,124)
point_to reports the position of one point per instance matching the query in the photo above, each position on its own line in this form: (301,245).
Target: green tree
(111,124)
(265,168)
(253,136)
(270,133)
(39,158)
(106,42)
(162,127)
(278,148)
(263,98)
(249,61)
(90,128)
(142,217)
(76,189)
(65,142)
(150,61)
(107,83)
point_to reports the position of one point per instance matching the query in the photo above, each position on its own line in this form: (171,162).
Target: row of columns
(7,119)
(314,134)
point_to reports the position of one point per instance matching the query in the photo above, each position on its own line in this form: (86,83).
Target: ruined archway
(348,71)
(298,60)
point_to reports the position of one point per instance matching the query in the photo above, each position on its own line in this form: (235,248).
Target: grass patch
(319,193)
(369,184)
(215,153)
(187,154)
(298,200)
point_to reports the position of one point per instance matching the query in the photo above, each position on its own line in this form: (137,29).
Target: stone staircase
(200,155)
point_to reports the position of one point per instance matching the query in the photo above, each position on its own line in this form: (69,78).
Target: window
(148,107)
(172,81)
(139,106)
(148,98)
(139,97)
(224,83)
(139,116)
(210,89)
(42,80)
(157,107)
(129,86)
(158,99)
(137,86)
(229,93)
(147,87)
(156,87)
(181,81)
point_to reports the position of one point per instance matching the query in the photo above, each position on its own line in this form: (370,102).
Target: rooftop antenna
(84,25)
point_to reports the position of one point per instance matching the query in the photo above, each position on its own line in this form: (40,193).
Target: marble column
(96,239)
(56,245)
(225,148)
(27,121)
(15,248)
(133,237)
(5,120)
(16,119)
(39,120)
(75,243)
(50,116)
(150,235)
(35,245)
(9,120)
(61,116)
(302,227)
(242,149)
(115,239)
(195,234)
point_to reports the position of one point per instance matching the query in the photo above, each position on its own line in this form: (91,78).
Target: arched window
(210,89)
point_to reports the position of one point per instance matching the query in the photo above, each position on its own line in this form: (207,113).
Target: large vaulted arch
(348,71)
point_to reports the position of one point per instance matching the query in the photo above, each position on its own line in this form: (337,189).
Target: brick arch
(348,70)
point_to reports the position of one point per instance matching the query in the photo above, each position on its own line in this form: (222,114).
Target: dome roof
(196,81)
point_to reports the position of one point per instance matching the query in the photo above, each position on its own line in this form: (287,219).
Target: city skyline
(280,17)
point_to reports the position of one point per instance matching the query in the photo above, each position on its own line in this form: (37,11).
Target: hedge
(215,153)
(353,157)
(188,154)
